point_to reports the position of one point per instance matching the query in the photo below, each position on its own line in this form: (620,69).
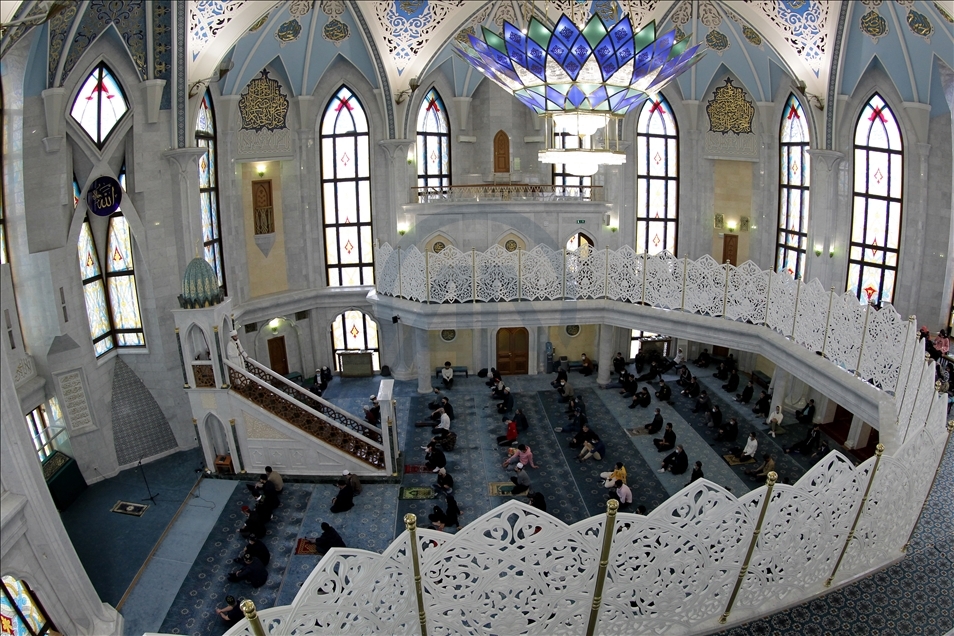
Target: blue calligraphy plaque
(104,196)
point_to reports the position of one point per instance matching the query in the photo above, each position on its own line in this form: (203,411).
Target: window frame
(369,322)
(101,68)
(784,235)
(564,183)
(853,283)
(645,178)
(425,139)
(210,141)
(358,142)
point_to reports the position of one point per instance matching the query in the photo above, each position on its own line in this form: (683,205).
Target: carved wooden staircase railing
(308,413)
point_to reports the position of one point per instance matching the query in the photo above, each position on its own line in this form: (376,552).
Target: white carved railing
(869,342)
(517,570)
(506,192)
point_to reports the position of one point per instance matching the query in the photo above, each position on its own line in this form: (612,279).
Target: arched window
(793,190)
(209,188)
(22,609)
(657,178)
(355,331)
(346,191)
(577,241)
(94,291)
(99,105)
(876,207)
(112,301)
(433,144)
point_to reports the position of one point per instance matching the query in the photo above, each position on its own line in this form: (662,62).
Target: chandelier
(581,81)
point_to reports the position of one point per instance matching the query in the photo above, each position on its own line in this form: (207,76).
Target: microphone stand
(151,497)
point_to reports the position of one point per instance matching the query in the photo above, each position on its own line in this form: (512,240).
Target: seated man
(372,414)
(733,383)
(497,391)
(255,523)
(685,377)
(807,445)
(494,376)
(510,436)
(232,613)
(722,372)
(521,420)
(714,417)
(807,414)
(703,403)
(751,447)
(692,390)
(641,399)
(271,476)
(576,402)
(763,469)
(444,483)
(434,457)
(746,393)
(703,360)
(664,394)
(561,376)
(774,421)
(610,477)
(565,391)
(728,432)
(344,500)
(447,375)
(328,539)
(252,571)
(656,425)
(621,493)
(619,362)
(696,472)
(592,448)
(668,440)
(675,462)
(679,360)
(507,405)
(630,385)
(257,549)
(763,404)
(650,374)
(577,420)
(521,481)
(585,435)
(523,455)
(586,366)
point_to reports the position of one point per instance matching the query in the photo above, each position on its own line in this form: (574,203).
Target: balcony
(507,193)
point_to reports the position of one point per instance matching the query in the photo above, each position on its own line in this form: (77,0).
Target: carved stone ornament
(730,111)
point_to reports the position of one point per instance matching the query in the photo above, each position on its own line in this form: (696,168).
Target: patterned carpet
(913,597)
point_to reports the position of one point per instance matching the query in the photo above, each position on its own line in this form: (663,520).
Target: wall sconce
(730,226)
(273,325)
(831,252)
(260,168)
(818,250)
(614,228)
(410,155)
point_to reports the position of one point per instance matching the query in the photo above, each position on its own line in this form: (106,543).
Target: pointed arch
(793,189)
(99,105)
(657,178)
(354,330)
(121,284)
(205,138)
(345,160)
(94,291)
(876,203)
(433,144)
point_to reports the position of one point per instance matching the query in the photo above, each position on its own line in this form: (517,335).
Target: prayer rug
(306,546)
(732,460)
(412,469)
(416,492)
(636,432)
(127,508)
(502,489)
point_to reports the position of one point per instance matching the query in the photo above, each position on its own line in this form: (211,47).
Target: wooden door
(501,152)
(513,351)
(730,248)
(277,356)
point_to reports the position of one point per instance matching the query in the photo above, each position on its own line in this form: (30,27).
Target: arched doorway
(513,351)
(501,152)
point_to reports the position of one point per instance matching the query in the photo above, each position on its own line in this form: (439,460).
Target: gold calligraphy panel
(262,105)
(730,111)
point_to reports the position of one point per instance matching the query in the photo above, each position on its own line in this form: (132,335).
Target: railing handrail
(311,396)
(424,194)
(321,416)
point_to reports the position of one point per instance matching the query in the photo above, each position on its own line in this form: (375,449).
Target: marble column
(827,230)
(779,388)
(858,434)
(422,355)
(607,340)
(185,197)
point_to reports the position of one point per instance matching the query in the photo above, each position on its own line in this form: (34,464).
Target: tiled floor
(913,597)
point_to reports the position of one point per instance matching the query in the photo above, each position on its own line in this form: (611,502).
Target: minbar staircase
(310,414)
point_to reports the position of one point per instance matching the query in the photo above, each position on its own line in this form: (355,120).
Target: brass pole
(611,507)
(685,270)
(248,608)
(861,347)
(831,295)
(798,290)
(725,296)
(770,480)
(645,261)
(937,471)
(907,337)
(410,522)
(768,299)
(879,451)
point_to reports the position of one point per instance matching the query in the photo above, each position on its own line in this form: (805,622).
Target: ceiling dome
(200,286)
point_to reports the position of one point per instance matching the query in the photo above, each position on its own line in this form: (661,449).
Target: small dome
(200,286)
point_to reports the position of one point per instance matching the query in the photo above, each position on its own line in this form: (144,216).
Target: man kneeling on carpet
(328,539)
(231,613)
(675,462)
(521,481)
(257,549)
(252,571)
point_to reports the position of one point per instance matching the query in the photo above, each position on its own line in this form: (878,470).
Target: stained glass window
(121,282)
(38,424)
(209,188)
(433,145)
(20,612)
(99,105)
(793,190)
(657,178)
(876,205)
(346,191)
(94,291)
(355,331)
(569,185)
